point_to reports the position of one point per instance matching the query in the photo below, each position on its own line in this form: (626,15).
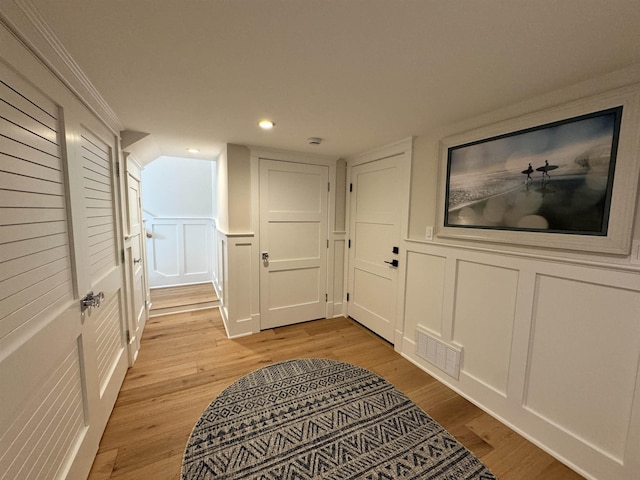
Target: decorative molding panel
(179,251)
(596,365)
(237,283)
(483,321)
(551,348)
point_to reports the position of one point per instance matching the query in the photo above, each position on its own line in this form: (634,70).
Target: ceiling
(359,74)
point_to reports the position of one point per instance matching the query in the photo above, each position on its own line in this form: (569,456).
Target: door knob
(91,300)
(393,263)
(136,260)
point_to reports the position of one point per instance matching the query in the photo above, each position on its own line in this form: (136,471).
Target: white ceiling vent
(438,353)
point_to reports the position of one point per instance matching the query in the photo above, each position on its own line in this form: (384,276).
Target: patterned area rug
(317,418)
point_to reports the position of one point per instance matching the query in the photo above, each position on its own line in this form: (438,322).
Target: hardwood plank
(103,464)
(186,360)
(182,295)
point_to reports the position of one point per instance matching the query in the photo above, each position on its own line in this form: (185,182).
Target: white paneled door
(293,242)
(136,259)
(375,218)
(60,367)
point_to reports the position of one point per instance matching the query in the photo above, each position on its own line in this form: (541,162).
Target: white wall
(550,338)
(178,187)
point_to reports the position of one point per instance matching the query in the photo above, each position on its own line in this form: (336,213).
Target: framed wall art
(561,178)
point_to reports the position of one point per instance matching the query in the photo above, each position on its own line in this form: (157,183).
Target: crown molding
(28,24)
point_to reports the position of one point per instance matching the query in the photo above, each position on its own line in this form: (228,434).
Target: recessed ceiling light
(266,124)
(193,150)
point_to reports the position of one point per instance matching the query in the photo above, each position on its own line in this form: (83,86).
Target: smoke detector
(314,140)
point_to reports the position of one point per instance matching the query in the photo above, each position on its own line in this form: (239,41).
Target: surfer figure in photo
(528,172)
(545,170)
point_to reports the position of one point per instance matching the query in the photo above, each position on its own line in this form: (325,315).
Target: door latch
(91,300)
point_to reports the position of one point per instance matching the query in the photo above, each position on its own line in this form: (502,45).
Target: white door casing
(60,369)
(378,206)
(293,235)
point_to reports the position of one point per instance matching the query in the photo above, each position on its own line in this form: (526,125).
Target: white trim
(397,148)
(535,256)
(292,156)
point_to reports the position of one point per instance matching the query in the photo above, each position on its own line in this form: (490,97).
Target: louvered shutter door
(98,194)
(35,266)
(42,417)
(99,198)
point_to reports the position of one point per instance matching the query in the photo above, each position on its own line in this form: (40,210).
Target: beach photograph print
(555,178)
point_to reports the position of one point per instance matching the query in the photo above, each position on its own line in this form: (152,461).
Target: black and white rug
(318,418)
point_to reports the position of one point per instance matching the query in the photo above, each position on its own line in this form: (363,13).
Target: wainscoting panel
(596,365)
(179,251)
(550,347)
(240,288)
(237,283)
(163,252)
(483,321)
(336,304)
(196,249)
(223,285)
(425,291)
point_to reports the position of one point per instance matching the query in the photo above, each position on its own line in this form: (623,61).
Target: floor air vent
(434,351)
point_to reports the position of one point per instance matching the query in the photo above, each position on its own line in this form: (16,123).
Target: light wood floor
(186,360)
(183,297)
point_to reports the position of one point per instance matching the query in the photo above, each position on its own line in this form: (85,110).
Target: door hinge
(326,297)
(128,337)
(122,255)
(347,297)
(349,243)
(327,243)
(351,187)
(329,187)
(117,169)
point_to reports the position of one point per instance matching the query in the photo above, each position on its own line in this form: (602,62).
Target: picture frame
(563,178)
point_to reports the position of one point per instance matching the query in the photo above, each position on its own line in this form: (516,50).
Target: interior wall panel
(583,359)
(483,321)
(424,293)
(241,289)
(238,287)
(196,248)
(338,269)
(164,250)
(180,251)
(551,348)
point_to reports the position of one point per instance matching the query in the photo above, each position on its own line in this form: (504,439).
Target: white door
(375,218)
(136,259)
(293,242)
(60,368)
